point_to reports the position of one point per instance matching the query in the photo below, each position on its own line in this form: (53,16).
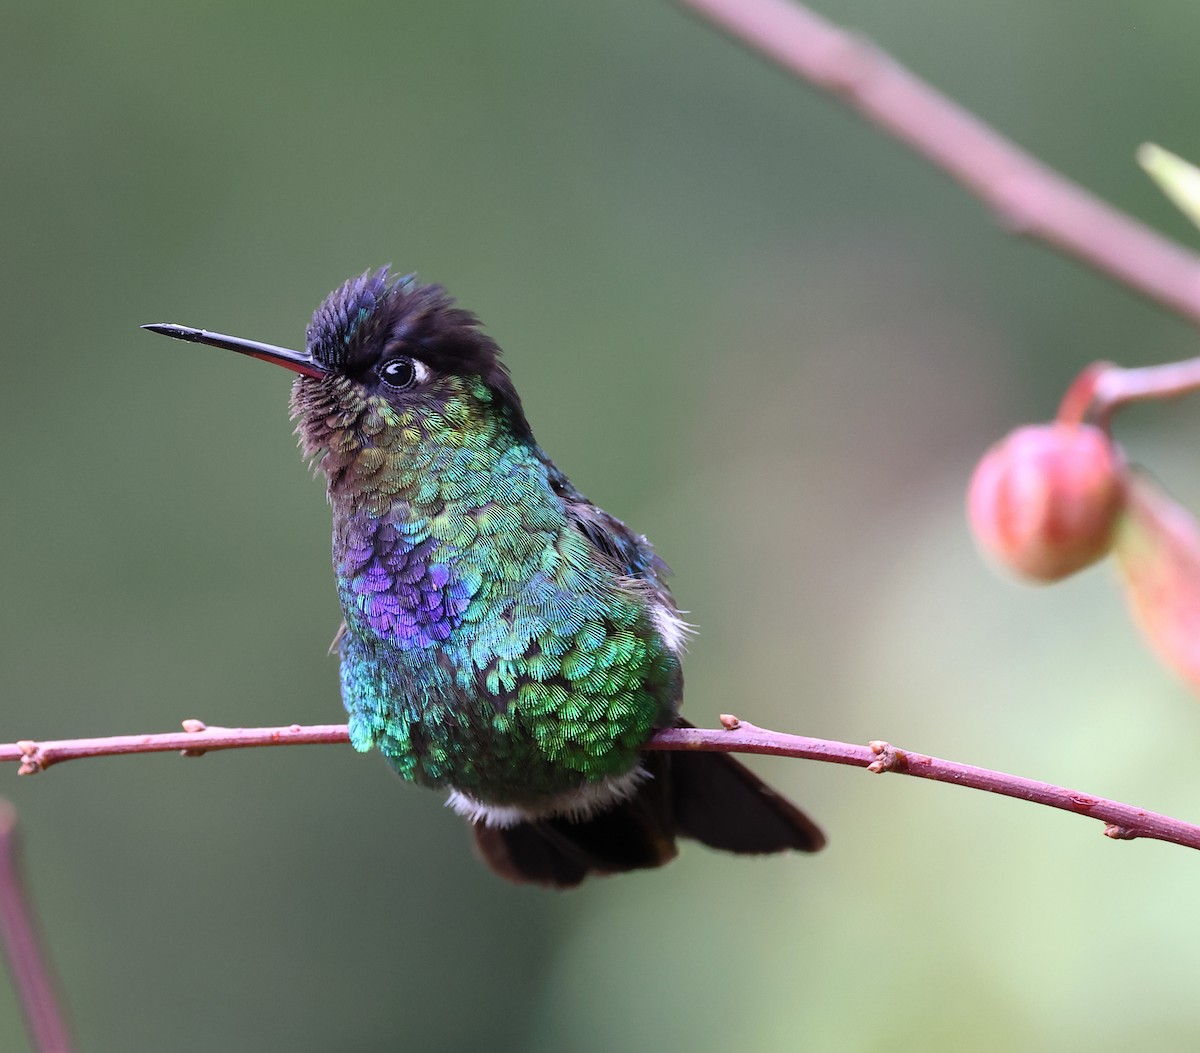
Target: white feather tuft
(576,805)
(672,628)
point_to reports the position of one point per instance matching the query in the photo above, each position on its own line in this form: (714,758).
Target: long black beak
(296,361)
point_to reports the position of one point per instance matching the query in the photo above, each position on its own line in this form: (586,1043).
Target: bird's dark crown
(371,318)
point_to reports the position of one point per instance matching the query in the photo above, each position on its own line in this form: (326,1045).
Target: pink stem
(1029,197)
(1121,821)
(1102,389)
(27,965)
(1116,387)
(195,740)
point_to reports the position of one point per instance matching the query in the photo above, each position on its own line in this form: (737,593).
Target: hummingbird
(504,638)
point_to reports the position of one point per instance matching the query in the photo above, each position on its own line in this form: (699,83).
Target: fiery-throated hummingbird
(503,637)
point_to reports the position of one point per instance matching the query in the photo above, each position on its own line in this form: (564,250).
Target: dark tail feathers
(709,797)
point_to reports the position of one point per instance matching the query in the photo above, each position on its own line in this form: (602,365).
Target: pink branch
(1121,821)
(27,965)
(195,740)
(1028,196)
(1102,389)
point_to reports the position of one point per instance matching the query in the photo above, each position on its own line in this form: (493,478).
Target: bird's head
(388,364)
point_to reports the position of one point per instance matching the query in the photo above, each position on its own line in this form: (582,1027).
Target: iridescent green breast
(491,645)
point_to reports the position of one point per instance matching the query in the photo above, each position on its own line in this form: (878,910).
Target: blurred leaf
(1177,178)
(1158,552)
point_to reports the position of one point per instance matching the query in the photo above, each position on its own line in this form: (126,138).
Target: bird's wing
(630,555)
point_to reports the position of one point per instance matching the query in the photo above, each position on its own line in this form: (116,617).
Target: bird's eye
(399,373)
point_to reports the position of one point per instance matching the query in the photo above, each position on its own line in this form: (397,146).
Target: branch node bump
(32,758)
(1118,832)
(729,722)
(889,757)
(195,727)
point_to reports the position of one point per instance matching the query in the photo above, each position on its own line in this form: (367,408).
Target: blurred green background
(742,321)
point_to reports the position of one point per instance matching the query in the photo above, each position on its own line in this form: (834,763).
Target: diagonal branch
(28,963)
(1028,196)
(1122,821)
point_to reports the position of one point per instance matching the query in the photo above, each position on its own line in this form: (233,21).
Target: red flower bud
(1044,500)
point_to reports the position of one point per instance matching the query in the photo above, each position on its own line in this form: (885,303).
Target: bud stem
(1102,388)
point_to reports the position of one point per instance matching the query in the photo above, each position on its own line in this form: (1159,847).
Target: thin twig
(31,974)
(1102,389)
(196,739)
(1122,821)
(1028,196)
